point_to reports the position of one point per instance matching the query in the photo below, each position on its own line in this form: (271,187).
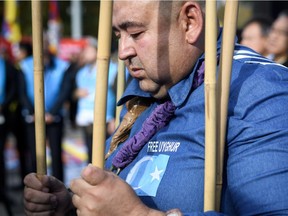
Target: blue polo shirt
(169,171)
(53,77)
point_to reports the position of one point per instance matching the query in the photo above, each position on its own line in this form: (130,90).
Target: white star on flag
(156,174)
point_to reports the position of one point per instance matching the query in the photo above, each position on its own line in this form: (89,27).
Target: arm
(257,166)
(23,97)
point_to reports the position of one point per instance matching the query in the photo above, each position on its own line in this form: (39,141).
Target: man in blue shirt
(162,160)
(56,92)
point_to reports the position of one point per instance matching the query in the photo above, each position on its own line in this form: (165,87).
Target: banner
(69,48)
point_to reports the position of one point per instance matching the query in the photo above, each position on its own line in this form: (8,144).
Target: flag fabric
(10,26)
(54,26)
(54,10)
(6,49)
(147,173)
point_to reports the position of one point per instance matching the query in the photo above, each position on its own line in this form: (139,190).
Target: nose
(126,49)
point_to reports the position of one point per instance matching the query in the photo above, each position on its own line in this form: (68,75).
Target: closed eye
(136,35)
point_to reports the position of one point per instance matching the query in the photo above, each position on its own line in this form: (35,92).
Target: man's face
(278,37)
(151,45)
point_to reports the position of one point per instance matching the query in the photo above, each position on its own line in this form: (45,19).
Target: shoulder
(251,70)
(245,57)
(61,63)
(26,64)
(257,85)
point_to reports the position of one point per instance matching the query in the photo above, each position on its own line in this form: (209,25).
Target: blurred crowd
(69,92)
(268,37)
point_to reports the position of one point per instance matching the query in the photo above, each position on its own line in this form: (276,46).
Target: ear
(193,21)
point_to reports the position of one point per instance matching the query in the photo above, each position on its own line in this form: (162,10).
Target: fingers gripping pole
(223,86)
(103,56)
(37,36)
(210,105)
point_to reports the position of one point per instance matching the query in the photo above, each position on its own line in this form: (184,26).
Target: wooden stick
(210,105)
(120,88)
(103,58)
(223,85)
(37,37)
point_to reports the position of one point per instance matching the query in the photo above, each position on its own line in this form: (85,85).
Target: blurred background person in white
(85,95)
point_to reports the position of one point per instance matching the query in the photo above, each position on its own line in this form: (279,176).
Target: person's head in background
(255,34)
(89,53)
(25,50)
(48,56)
(278,39)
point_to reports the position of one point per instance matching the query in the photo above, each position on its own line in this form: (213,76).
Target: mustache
(134,63)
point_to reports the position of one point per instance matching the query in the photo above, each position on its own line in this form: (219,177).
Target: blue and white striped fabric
(249,56)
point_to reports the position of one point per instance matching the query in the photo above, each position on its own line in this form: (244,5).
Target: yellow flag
(12,29)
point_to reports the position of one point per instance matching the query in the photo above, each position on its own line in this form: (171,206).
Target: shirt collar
(132,90)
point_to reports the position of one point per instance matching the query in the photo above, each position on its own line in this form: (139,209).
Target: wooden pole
(103,59)
(37,37)
(223,86)
(210,105)
(120,88)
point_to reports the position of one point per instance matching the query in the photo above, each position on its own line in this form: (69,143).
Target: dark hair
(283,13)
(264,23)
(27,47)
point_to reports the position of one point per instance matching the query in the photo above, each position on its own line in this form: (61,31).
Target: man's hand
(100,193)
(45,195)
(81,93)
